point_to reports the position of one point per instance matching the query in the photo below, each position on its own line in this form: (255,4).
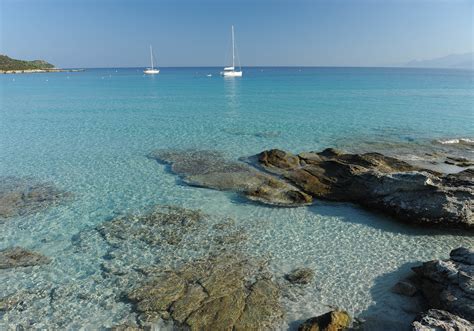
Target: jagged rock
(21,196)
(404,288)
(222,292)
(212,170)
(449,284)
(332,321)
(300,276)
(15,257)
(379,182)
(441,320)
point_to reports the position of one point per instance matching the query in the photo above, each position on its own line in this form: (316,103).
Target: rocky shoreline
(373,180)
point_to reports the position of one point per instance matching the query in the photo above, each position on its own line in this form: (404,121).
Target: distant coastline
(9,65)
(35,71)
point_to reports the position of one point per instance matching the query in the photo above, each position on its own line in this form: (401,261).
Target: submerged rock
(15,257)
(222,292)
(162,225)
(441,320)
(380,182)
(335,320)
(301,276)
(165,235)
(210,169)
(449,284)
(20,196)
(125,327)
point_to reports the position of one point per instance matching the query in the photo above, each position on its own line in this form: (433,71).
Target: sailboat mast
(233,52)
(151,57)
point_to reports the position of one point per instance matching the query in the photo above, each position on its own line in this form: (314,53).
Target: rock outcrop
(441,320)
(19,196)
(373,180)
(222,292)
(335,320)
(449,284)
(210,169)
(378,182)
(15,257)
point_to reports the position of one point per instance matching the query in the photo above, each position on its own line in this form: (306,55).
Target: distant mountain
(450,61)
(7,63)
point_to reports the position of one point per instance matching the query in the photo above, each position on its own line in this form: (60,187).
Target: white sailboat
(230,71)
(152,70)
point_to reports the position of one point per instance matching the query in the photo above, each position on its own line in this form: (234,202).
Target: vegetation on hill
(7,63)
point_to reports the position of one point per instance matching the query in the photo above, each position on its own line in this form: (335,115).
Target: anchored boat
(152,70)
(230,71)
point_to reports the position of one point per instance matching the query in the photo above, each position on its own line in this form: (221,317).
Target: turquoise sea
(89,133)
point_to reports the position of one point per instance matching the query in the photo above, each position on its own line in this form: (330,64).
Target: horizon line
(277,66)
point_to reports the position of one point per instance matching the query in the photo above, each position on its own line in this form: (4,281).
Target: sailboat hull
(151,71)
(231,73)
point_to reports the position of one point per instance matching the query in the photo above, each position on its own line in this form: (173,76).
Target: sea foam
(464,141)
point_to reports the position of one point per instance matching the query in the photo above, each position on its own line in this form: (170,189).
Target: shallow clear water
(90,132)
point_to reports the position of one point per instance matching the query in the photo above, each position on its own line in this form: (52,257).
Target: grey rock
(441,320)
(462,255)
(449,284)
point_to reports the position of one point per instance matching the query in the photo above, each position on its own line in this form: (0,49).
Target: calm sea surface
(89,133)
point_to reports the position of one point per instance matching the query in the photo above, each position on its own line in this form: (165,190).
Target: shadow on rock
(356,214)
(390,308)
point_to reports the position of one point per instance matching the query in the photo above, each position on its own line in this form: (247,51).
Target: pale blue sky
(75,33)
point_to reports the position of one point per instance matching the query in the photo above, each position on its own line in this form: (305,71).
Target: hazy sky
(75,33)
